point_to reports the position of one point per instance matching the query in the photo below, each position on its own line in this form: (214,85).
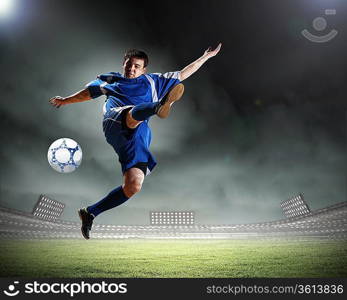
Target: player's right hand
(57,101)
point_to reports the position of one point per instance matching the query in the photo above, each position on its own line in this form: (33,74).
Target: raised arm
(194,66)
(83,95)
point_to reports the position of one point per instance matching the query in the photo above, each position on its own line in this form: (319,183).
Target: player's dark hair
(137,54)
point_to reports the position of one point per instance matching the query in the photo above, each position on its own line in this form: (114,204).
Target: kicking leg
(172,96)
(145,110)
(139,113)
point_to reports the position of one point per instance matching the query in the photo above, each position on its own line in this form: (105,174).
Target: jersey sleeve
(162,83)
(96,87)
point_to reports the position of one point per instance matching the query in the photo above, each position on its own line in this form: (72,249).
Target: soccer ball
(64,155)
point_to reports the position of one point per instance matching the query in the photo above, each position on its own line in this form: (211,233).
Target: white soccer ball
(64,155)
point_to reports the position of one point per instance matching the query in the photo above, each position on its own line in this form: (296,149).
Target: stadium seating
(329,222)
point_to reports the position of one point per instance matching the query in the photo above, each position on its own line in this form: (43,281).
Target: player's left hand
(57,101)
(210,53)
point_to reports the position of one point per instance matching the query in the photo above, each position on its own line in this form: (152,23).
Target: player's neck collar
(131,79)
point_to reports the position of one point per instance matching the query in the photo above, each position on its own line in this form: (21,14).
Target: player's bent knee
(136,188)
(133,185)
(132,188)
(133,180)
(131,122)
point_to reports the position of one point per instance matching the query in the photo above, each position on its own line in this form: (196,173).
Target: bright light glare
(5,7)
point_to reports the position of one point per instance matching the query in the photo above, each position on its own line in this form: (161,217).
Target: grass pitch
(172,258)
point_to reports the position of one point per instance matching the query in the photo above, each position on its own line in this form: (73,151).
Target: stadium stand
(329,222)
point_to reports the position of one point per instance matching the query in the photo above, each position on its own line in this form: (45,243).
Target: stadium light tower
(295,206)
(6,7)
(48,209)
(177,218)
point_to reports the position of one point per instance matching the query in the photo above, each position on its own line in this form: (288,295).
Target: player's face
(133,67)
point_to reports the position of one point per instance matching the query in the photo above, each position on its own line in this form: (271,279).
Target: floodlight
(6,7)
(295,206)
(47,208)
(172,218)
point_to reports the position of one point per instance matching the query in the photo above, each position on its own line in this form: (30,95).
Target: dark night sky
(261,122)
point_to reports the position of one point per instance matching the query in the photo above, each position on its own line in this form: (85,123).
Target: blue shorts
(131,145)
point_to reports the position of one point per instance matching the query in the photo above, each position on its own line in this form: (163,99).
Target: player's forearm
(193,67)
(83,95)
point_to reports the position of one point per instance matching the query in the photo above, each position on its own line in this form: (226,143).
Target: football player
(131,99)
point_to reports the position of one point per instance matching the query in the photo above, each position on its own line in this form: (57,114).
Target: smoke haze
(261,122)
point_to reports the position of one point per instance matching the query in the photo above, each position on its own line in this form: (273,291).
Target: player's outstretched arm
(83,95)
(194,66)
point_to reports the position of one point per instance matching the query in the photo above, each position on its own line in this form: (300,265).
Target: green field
(172,258)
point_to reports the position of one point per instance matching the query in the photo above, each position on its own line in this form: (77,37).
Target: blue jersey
(121,91)
(132,146)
